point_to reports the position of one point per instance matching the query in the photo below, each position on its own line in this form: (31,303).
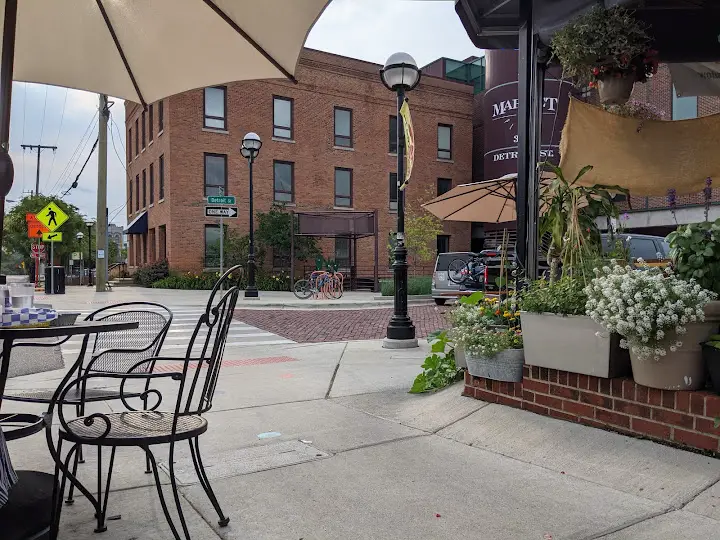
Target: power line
(69,166)
(39,148)
(57,139)
(42,124)
(22,138)
(75,183)
(119,209)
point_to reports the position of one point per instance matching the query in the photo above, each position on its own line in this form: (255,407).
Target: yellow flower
(506,314)
(517,313)
(511,319)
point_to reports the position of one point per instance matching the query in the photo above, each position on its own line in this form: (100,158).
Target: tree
(15,238)
(421,232)
(273,233)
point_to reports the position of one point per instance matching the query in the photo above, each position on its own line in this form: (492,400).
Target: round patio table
(17,426)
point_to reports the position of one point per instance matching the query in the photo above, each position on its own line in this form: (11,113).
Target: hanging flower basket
(616,90)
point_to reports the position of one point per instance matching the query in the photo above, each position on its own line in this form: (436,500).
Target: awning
(139,225)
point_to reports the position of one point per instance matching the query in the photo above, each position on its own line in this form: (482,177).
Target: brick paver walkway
(319,325)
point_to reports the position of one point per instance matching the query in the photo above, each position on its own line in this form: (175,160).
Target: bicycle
(471,273)
(329,284)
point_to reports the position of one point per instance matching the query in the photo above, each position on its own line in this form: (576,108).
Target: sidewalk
(353,456)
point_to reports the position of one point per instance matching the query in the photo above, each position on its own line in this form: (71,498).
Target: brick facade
(679,417)
(325,81)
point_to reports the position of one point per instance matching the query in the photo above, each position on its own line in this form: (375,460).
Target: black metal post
(251,290)
(7,171)
(401,326)
(89,264)
(526,168)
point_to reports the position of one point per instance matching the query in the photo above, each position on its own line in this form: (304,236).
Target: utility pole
(101,227)
(39,148)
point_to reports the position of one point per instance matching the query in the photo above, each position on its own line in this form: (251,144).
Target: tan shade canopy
(145,50)
(492,201)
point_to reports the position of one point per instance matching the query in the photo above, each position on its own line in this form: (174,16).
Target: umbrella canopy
(150,49)
(488,201)
(696,78)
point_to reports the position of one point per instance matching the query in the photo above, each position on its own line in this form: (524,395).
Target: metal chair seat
(135,428)
(73,397)
(27,513)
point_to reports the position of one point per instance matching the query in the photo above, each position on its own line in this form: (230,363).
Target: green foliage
(421,232)
(273,233)
(606,40)
(205,281)
(439,369)
(417,285)
(713,341)
(148,274)
(473,300)
(565,296)
(15,239)
(695,252)
(487,342)
(569,218)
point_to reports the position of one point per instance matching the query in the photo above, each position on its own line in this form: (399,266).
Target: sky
(366,29)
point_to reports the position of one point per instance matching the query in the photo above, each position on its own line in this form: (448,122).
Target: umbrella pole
(6,76)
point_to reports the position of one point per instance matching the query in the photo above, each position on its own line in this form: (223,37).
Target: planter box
(573,343)
(506,366)
(460,361)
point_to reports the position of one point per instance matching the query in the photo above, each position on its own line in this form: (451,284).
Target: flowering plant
(649,307)
(636,109)
(604,43)
(695,252)
(485,342)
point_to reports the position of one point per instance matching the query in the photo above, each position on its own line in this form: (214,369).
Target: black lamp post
(250,149)
(89,264)
(400,74)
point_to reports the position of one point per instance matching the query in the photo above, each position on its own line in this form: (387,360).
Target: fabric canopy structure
(647,157)
(696,78)
(150,49)
(489,201)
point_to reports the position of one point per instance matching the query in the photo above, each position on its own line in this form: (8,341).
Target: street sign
(36,229)
(52,237)
(37,250)
(222,199)
(221,211)
(52,216)
(76,255)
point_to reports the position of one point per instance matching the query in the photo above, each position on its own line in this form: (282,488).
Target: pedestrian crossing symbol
(52,216)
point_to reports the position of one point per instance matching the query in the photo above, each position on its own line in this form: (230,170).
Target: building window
(443,185)
(215,107)
(284,181)
(444,141)
(215,174)
(129,145)
(161,178)
(152,183)
(342,253)
(137,192)
(162,242)
(393,135)
(144,174)
(683,108)
(143,129)
(343,187)
(161,116)
(150,123)
(137,137)
(343,127)
(283,117)
(212,246)
(130,196)
(443,243)
(393,190)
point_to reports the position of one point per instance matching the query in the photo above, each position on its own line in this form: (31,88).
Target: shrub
(150,273)
(206,281)
(417,285)
(566,296)
(695,252)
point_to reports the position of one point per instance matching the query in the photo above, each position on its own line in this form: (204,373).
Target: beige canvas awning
(647,157)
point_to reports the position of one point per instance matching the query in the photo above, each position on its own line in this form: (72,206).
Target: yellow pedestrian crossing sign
(52,216)
(52,237)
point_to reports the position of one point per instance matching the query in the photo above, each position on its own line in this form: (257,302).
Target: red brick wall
(684,418)
(325,81)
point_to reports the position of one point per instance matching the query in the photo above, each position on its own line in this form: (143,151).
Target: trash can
(58,277)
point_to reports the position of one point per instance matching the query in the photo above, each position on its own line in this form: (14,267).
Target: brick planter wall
(680,417)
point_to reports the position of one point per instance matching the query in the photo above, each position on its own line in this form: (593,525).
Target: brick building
(328,144)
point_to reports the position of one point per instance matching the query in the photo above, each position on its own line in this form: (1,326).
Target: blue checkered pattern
(27,316)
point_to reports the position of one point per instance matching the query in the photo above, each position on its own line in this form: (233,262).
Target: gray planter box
(460,361)
(572,343)
(506,365)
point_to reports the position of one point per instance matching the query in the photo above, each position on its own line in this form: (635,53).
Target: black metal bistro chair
(149,426)
(111,352)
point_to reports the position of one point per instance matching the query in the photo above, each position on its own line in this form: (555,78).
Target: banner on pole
(409,142)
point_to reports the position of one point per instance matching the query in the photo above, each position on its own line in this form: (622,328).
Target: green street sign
(221,199)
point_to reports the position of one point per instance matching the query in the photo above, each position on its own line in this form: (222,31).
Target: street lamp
(400,74)
(89,225)
(250,149)
(79,237)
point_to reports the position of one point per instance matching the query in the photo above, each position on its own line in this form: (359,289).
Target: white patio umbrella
(145,50)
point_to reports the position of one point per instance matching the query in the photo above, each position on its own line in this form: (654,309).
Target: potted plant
(558,334)
(711,356)
(495,354)
(607,49)
(661,319)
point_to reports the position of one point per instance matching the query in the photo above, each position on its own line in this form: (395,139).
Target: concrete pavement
(326,444)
